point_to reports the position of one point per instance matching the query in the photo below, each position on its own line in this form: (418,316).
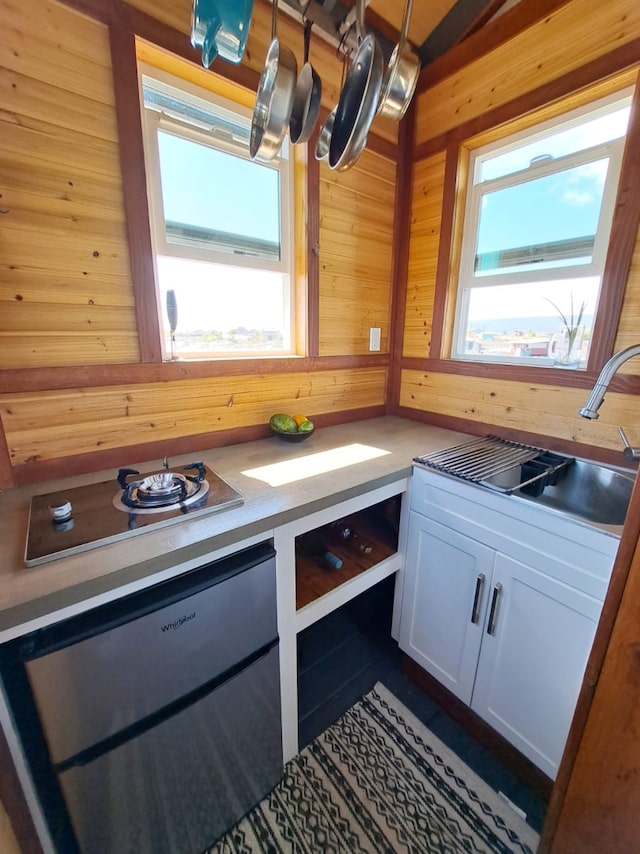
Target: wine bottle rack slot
(335,553)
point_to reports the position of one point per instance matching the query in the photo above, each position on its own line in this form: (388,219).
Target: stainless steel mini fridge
(159,715)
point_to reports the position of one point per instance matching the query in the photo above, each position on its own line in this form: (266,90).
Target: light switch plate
(374,338)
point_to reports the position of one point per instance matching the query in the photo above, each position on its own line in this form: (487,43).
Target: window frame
(153,121)
(470,200)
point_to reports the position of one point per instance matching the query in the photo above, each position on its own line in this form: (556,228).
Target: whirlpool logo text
(176,624)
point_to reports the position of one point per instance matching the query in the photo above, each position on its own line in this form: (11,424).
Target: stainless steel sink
(579,488)
(590,491)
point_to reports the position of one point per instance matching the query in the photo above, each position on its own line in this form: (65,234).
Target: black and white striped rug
(379,781)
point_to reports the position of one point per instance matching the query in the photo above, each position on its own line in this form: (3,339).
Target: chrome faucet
(593,404)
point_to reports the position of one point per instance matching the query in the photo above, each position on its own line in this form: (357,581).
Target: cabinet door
(532,660)
(446,574)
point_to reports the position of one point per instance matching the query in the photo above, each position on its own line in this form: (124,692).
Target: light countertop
(298,479)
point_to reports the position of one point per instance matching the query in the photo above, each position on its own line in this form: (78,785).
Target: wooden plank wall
(565,39)
(152,412)
(65,287)
(510,75)
(67,306)
(355,262)
(424,242)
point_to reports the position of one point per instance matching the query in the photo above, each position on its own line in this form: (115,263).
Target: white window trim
(467,281)
(611,150)
(151,122)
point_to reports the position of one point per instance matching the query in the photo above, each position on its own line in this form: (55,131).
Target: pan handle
(307,39)
(274,19)
(360,10)
(405,22)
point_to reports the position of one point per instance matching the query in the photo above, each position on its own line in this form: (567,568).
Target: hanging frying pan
(306,100)
(274,98)
(401,76)
(358,99)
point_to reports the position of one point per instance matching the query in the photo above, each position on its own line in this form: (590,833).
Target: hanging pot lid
(324,137)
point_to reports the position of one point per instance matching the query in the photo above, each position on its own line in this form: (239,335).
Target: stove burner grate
(160,491)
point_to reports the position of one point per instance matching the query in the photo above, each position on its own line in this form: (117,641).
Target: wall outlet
(374,338)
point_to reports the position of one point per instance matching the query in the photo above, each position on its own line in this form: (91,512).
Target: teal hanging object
(221,28)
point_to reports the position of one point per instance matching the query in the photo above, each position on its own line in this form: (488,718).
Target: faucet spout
(590,409)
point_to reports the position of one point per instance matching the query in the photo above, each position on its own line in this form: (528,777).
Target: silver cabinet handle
(475,611)
(494,608)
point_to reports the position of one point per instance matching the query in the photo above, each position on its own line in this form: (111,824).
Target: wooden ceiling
(434,25)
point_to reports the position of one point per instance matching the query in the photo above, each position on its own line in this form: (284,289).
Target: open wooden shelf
(314,580)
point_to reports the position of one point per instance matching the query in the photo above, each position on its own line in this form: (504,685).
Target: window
(221,226)
(536,231)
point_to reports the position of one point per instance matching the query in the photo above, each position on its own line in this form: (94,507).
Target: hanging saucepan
(358,99)
(401,76)
(306,100)
(274,98)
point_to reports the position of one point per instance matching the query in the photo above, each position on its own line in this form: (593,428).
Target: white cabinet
(533,659)
(501,604)
(446,581)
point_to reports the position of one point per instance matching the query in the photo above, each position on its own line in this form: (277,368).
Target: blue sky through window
(212,189)
(536,213)
(562,206)
(208,183)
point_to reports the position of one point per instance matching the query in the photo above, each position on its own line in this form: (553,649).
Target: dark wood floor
(342,657)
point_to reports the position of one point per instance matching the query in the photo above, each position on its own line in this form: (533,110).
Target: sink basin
(590,491)
(575,487)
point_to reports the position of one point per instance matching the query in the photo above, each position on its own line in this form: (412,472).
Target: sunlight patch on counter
(289,471)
